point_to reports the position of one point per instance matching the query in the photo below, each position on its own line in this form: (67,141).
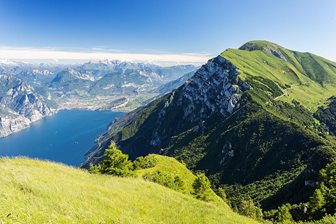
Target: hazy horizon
(160,32)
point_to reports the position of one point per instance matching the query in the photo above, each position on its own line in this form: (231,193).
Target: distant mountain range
(258,120)
(29,92)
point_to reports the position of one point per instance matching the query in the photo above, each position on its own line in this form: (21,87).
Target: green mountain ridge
(247,118)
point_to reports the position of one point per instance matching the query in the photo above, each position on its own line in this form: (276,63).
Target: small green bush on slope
(159,169)
(115,163)
(202,187)
(169,165)
(42,192)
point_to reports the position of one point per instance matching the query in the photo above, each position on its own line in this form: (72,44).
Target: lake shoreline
(63,137)
(29,123)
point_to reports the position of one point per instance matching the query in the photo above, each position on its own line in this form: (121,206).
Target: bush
(115,163)
(284,216)
(202,187)
(259,214)
(165,179)
(317,200)
(246,207)
(221,193)
(94,169)
(144,162)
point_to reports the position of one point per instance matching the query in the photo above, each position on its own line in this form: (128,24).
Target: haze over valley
(30,92)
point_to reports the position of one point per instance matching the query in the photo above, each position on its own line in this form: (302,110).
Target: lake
(64,137)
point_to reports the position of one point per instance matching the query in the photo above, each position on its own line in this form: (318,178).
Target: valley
(30,92)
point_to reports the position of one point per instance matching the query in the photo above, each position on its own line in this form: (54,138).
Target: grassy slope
(34,191)
(305,77)
(170,165)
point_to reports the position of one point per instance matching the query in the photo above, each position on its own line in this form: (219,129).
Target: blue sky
(197,28)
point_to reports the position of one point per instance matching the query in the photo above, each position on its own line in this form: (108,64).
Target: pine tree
(284,215)
(114,163)
(247,208)
(317,200)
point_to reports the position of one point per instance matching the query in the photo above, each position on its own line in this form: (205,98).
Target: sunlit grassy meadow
(35,191)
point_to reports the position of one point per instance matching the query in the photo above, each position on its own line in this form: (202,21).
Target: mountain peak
(259,45)
(265,46)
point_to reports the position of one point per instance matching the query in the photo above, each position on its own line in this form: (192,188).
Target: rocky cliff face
(215,87)
(20,105)
(11,122)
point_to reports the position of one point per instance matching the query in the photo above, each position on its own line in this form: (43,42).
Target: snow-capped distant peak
(81,75)
(7,62)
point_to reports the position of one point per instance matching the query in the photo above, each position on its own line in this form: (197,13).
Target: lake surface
(64,137)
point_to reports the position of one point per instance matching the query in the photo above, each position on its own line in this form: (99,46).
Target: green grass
(305,77)
(170,165)
(35,191)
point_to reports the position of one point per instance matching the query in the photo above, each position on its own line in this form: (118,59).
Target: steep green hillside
(248,118)
(42,192)
(168,165)
(304,77)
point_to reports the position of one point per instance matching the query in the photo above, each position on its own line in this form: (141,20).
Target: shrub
(115,163)
(202,187)
(317,200)
(144,162)
(94,169)
(221,193)
(284,216)
(165,179)
(246,207)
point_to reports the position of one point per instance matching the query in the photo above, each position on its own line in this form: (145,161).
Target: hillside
(43,192)
(248,118)
(304,77)
(170,165)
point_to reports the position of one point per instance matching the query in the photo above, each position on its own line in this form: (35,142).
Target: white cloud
(96,54)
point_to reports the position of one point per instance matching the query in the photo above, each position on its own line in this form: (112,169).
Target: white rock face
(215,87)
(12,124)
(20,105)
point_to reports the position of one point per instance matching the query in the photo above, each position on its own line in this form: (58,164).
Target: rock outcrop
(20,105)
